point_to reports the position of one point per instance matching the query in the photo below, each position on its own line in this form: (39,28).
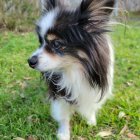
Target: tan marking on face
(51,37)
(53,56)
(65,63)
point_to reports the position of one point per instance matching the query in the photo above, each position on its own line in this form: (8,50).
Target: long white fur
(47,21)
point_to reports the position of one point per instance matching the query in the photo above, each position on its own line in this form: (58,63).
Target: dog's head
(73,38)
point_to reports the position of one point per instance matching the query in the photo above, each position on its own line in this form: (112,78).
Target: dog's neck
(73,80)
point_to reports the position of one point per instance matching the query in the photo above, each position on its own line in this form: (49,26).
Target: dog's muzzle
(33,61)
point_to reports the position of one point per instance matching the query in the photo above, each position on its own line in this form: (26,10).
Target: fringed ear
(69,5)
(109,6)
(104,6)
(95,13)
(48,5)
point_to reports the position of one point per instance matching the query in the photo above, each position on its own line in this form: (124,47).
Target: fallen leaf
(121,115)
(104,134)
(33,119)
(80,138)
(27,78)
(129,83)
(22,96)
(23,85)
(124,129)
(31,138)
(131,136)
(18,138)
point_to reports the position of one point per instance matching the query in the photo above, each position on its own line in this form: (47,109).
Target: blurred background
(20,15)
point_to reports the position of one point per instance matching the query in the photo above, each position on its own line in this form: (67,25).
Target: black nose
(33,61)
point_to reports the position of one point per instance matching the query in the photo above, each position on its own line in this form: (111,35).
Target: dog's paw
(92,122)
(63,136)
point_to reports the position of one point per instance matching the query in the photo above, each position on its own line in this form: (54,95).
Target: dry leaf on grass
(121,115)
(18,138)
(31,138)
(23,85)
(124,129)
(129,83)
(131,136)
(81,138)
(22,95)
(27,78)
(104,134)
(33,119)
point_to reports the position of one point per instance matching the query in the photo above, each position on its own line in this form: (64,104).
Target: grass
(18,15)
(23,108)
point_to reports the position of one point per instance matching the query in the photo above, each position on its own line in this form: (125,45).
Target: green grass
(23,108)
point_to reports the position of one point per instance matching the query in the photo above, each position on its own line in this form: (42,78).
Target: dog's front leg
(61,112)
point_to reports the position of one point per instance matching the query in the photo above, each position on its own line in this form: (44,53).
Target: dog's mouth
(32,66)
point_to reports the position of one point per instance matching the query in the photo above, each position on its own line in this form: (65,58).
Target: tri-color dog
(76,59)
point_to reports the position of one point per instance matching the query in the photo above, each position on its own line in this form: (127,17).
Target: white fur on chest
(87,98)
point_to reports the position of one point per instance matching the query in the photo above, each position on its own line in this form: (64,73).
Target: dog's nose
(33,61)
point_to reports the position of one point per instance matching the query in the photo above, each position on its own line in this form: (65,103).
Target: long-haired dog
(76,59)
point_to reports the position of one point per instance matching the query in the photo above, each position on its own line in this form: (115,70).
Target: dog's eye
(57,44)
(57,47)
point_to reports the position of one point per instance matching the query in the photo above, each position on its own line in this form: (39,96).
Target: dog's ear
(95,13)
(98,6)
(48,5)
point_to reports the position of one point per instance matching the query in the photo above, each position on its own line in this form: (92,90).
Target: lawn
(24,111)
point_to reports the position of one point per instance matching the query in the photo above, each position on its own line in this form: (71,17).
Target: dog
(76,59)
